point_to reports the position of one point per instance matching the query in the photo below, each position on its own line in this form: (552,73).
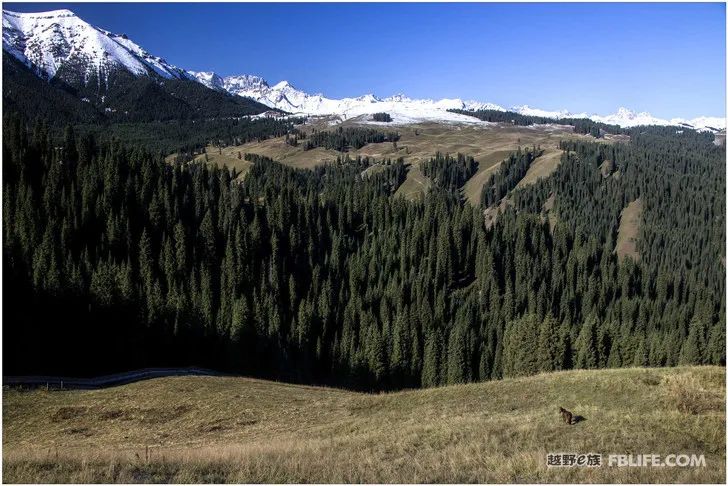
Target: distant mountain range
(59,46)
(285,97)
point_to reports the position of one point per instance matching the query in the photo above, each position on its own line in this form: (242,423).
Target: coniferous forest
(581,125)
(115,259)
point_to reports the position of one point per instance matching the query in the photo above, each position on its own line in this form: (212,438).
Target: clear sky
(668,59)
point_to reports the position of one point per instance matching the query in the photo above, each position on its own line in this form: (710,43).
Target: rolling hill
(227,429)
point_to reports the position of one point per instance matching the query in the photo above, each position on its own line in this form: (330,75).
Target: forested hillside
(507,176)
(342,139)
(119,98)
(114,259)
(449,173)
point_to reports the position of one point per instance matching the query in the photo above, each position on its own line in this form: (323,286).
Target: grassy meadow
(227,429)
(629,229)
(488,144)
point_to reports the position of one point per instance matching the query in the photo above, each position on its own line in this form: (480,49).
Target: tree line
(509,173)
(581,125)
(382,117)
(342,139)
(449,173)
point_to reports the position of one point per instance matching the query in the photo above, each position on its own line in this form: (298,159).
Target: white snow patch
(47,41)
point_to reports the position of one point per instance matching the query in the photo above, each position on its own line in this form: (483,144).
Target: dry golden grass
(492,213)
(629,227)
(688,393)
(605,168)
(226,157)
(415,185)
(488,164)
(211,429)
(542,167)
(618,138)
(488,144)
(549,212)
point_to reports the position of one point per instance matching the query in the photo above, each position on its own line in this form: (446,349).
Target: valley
(376,288)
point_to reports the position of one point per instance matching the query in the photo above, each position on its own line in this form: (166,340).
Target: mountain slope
(47,42)
(111,77)
(238,430)
(26,93)
(122,98)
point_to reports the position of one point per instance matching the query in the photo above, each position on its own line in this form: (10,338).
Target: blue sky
(668,59)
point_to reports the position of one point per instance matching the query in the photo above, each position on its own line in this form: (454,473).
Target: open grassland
(628,232)
(542,167)
(489,144)
(548,211)
(222,429)
(415,185)
(225,157)
(487,165)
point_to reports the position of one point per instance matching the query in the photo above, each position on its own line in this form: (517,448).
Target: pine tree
(519,342)
(457,362)
(431,360)
(693,351)
(550,350)
(715,350)
(585,345)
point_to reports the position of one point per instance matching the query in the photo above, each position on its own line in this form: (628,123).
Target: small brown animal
(567,416)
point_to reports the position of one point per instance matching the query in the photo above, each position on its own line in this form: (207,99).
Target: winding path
(104,381)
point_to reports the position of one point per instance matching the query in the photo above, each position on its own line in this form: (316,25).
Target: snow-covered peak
(244,82)
(478,105)
(527,110)
(283,85)
(627,118)
(208,78)
(368,98)
(403,109)
(398,97)
(48,41)
(702,122)
(159,65)
(63,12)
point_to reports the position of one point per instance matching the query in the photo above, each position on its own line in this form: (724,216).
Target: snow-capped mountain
(284,96)
(48,41)
(403,109)
(529,111)
(209,79)
(627,118)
